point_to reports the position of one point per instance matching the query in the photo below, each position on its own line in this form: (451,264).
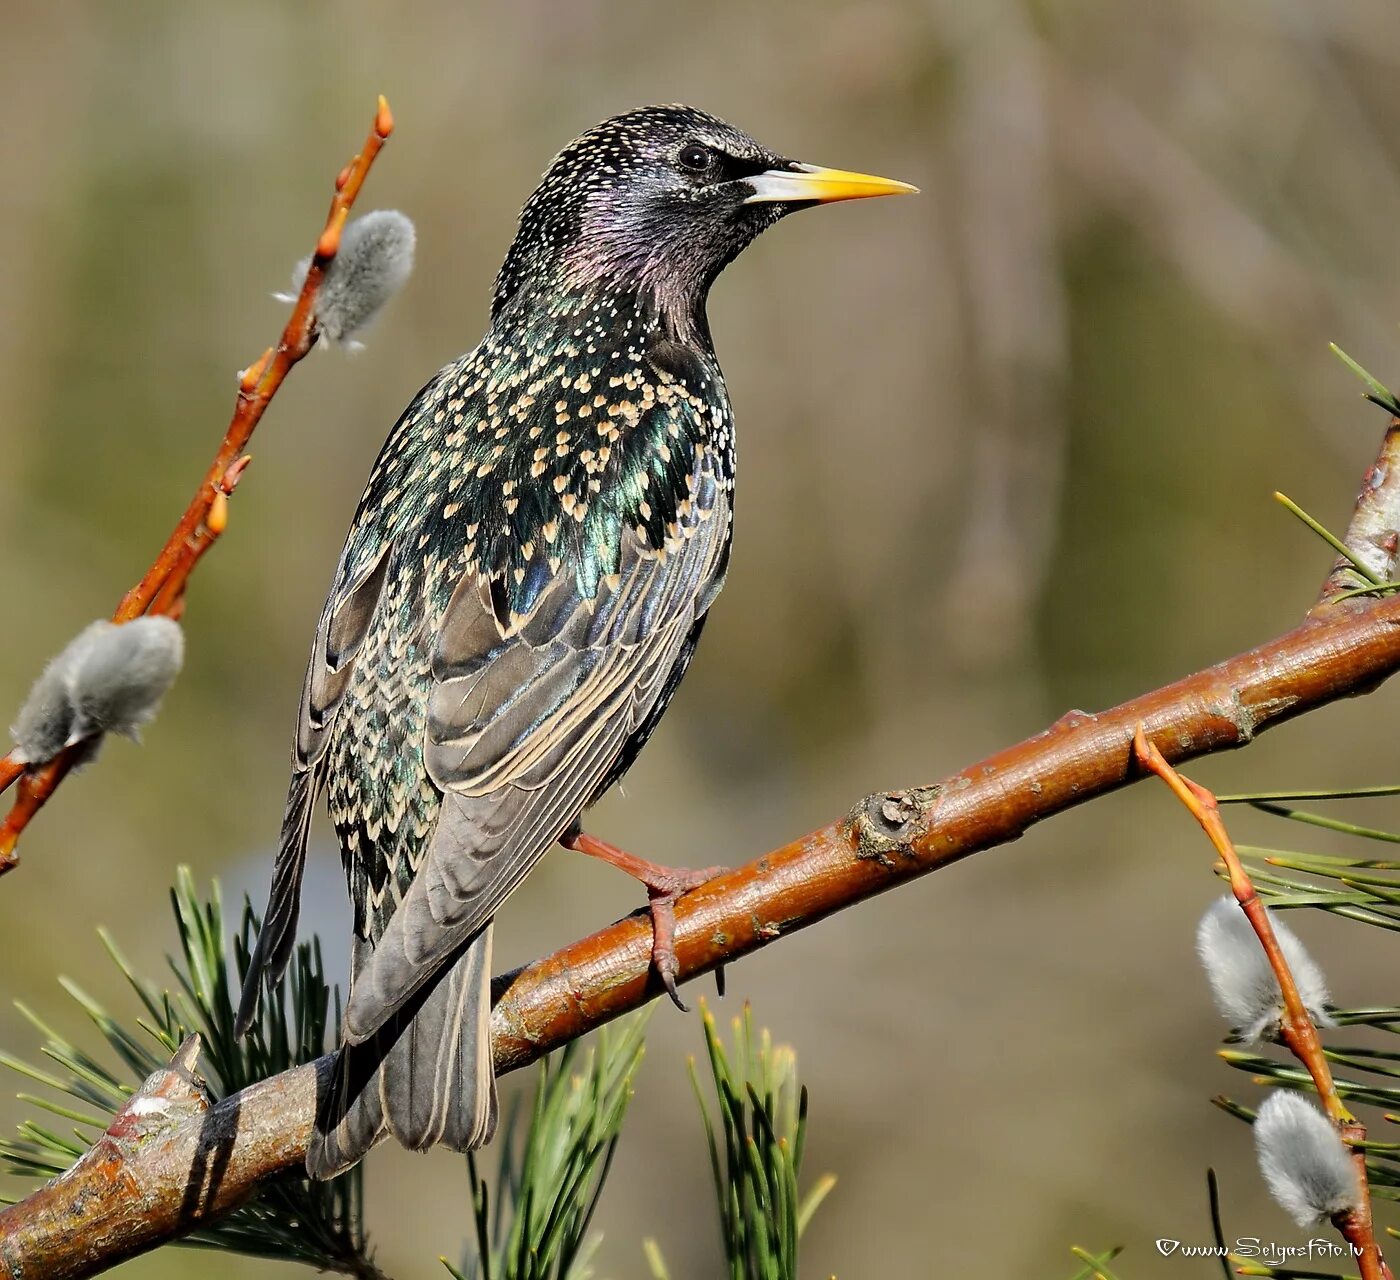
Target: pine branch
(761,1128)
(319,1223)
(536,1223)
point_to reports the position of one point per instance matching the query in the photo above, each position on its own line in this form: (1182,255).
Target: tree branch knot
(167,1099)
(888,822)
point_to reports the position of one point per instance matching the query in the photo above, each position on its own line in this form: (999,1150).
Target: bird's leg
(663,885)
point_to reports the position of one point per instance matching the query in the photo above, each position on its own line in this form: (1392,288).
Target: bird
(520,592)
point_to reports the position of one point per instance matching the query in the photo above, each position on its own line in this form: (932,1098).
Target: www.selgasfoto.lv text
(1266,1251)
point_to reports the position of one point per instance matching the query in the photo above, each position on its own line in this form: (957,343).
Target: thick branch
(168,1162)
(216,1159)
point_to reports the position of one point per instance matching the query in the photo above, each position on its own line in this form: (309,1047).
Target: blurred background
(1007,449)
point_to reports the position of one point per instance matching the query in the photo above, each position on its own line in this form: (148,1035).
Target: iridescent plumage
(520,591)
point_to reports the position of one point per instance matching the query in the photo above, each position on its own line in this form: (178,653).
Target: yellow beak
(809,182)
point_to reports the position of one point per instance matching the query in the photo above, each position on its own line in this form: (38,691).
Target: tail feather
(279,927)
(426,1076)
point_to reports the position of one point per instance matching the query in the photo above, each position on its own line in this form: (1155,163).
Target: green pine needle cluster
(530,1220)
(1095,1265)
(317,1223)
(549,1177)
(756,1145)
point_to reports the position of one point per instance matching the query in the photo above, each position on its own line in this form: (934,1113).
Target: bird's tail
(278,933)
(425,1076)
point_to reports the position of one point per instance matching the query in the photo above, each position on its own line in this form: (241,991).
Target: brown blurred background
(1007,448)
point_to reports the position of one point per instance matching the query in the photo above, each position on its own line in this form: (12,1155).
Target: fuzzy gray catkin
(117,682)
(374,260)
(1241,979)
(1305,1163)
(45,721)
(109,679)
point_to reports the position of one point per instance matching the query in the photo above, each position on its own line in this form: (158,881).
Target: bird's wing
(339,635)
(345,625)
(526,717)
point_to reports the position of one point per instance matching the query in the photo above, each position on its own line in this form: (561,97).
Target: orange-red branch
(162,587)
(896,836)
(35,788)
(262,379)
(1297,1028)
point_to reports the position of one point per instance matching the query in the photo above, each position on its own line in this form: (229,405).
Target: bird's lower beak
(809,182)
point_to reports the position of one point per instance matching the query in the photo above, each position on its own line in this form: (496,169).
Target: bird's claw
(663,948)
(663,890)
(663,885)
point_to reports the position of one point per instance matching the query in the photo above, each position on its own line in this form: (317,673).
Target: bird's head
(658,201)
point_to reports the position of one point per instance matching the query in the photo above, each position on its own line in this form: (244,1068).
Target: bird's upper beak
(810,182)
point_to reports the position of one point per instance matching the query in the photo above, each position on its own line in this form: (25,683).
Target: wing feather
(342,629)
(522,731)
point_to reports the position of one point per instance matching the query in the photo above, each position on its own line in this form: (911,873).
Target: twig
(162,587)
(1296,1029)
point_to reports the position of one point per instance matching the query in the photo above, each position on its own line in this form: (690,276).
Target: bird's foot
(664,885)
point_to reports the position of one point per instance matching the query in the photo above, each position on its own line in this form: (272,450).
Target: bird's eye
(696,158)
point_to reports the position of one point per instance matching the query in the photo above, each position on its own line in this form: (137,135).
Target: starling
(518,597)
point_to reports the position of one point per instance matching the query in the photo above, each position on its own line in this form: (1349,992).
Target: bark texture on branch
(120,1200)
(891,837)
(1373,536)
(170,1160)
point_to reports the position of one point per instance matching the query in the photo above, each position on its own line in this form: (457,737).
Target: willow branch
(1297,1029)
(162,587)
